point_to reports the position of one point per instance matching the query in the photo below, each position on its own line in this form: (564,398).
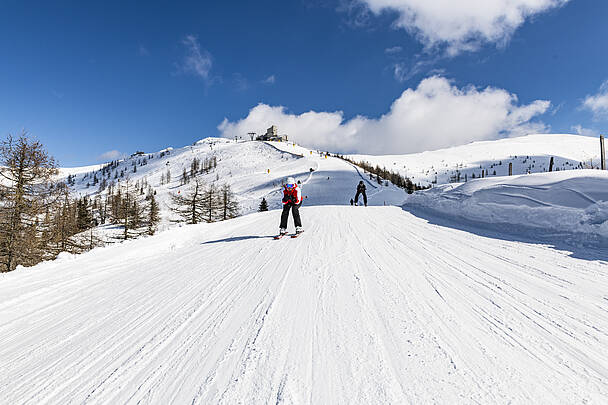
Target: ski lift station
(272,134)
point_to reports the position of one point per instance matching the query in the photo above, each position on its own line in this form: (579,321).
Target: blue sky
(87,78)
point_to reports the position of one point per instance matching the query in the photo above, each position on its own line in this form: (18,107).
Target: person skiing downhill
(361,190)
(292,200)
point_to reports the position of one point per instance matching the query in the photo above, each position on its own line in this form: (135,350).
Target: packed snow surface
(370,306)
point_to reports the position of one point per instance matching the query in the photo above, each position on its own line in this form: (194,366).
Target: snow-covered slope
(528,154)
(254,170)
(571,204)
(370,306)
(75,171)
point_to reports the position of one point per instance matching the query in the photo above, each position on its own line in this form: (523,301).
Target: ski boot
(282,232)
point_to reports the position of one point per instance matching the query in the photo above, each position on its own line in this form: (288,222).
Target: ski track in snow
(371,305)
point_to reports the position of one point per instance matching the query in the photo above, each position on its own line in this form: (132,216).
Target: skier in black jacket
(361,190)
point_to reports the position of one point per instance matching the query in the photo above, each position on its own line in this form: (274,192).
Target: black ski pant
(295,210)
(364,197)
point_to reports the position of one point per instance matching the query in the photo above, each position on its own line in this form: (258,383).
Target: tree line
(204,203)
(381,175)
(39,218)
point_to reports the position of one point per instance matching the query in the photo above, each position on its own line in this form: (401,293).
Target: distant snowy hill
(254,170)
(528,154)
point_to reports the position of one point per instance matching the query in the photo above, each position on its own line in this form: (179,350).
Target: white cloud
(434,115)
(404,71)
(197,61)
(358,14)
(401,72)
(393,50)
(579,129)
(598,103)
(462,25)
(110,155)
(270,80)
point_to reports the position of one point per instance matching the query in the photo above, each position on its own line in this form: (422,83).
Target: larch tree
(211,203)
(65,223)
(189,205)
(228,206)
(126,209)
(26,191)
(153,214)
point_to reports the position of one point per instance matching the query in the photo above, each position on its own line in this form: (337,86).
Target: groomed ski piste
(371,305)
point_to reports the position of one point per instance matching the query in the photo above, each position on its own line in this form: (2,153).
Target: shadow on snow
(579,246)
(237,238)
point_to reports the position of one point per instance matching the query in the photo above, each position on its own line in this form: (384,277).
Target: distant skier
(292,200)
(361,190)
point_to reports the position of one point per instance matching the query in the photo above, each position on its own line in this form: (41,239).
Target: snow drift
(571,202)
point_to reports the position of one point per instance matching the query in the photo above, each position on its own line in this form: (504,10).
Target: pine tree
(409,186)
(263,205)
(84,218)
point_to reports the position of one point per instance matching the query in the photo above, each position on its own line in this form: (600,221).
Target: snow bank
(566,202)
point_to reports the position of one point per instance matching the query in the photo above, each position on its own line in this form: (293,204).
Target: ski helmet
(290,180)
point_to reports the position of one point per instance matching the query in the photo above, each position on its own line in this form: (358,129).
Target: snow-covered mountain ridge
(528,154)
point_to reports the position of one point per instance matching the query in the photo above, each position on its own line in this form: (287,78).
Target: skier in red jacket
(292,200)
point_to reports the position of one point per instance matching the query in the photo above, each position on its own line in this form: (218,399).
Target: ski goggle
(290,185)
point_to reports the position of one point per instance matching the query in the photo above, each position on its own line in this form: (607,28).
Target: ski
(279,236)
(295,235)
